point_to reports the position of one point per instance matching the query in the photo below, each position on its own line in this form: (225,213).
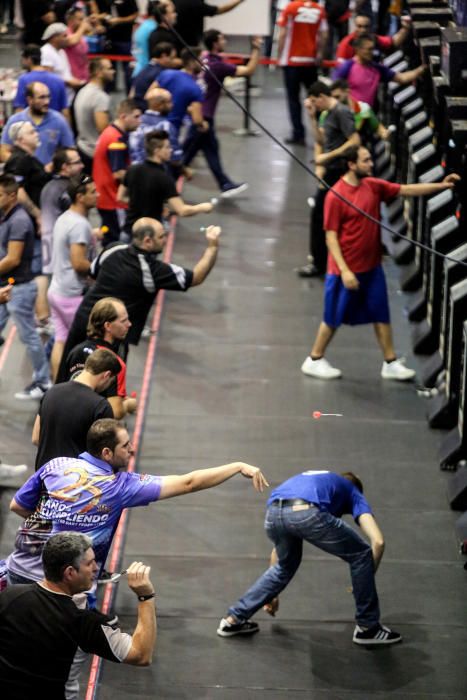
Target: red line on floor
(7,346)
(117,547)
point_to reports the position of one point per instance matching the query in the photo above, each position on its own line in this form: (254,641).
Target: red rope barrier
(235,58)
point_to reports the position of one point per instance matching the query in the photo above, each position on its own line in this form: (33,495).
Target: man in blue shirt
(186,94)
(52,127)
(309,506)
(31,60)
(162,56)
(89,493)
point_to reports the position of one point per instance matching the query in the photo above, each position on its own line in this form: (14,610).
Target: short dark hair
(351,154)
(210,37)
(60,158)
(32,51)
(354,479)
(95,65)
(163,48)
(159,10)
(74,9)
(360,40)
(127,106)
(154,140)
(102,360)
(190,55)
(78,185)
(140,232)
(61,551)
(102,434)
(102,312)
(319,88)
(340,84)
(8,183)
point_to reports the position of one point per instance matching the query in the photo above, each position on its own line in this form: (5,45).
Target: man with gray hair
(41,627)
(52,127)
(133,274)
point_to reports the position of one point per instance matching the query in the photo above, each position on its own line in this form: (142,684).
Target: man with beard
(355,286)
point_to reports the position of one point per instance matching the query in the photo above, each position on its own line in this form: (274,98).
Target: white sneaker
(8,470)
(397,370)
(321,369)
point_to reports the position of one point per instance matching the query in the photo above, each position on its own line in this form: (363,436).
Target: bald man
(159,104)
(134,274)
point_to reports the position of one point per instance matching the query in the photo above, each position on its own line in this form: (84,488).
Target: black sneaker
(225,629)
(376,635)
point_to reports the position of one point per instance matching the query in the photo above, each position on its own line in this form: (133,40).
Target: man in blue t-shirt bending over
(309,506)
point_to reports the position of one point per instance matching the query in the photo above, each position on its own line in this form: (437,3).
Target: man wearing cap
(53,56)
(52,127)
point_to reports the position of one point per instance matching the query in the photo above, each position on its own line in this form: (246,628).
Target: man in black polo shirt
(147,186)
(68,410)
(133,274)
(108,327)
(166,17)
(118,17)
(191,14)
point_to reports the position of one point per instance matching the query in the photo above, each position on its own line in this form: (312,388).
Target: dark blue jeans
(294,78)
(207,143)
(287,529)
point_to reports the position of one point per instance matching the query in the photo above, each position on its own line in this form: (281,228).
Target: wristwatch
(142,598)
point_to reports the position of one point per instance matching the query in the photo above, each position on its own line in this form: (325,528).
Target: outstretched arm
(207,478)
(420,189)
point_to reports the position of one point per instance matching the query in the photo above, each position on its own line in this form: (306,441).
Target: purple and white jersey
(79,494)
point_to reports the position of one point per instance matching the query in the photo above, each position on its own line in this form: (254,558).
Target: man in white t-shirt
(54,57)
(72,237)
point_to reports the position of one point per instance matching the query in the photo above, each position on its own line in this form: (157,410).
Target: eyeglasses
(75,162)
(85,179)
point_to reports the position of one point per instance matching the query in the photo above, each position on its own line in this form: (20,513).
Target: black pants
(206,141)
(294,78)
(318,247)
(110,219)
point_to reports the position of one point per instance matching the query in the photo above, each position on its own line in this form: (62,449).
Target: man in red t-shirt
(355,287)
(302,39)
(385,44)
(111,160)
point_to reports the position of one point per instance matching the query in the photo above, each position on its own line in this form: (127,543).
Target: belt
(282,502)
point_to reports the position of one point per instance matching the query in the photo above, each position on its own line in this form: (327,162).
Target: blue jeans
(287,529)
(207,143)
(21,308)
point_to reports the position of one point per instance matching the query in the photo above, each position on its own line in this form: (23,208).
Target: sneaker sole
(376,642)
(233,193)
(320,376)
(398,379)
(223,633)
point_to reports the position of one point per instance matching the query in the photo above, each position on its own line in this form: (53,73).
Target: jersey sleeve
(140,489)
(171,276)
(100,635)
(387,74)
(332,213)
(117,154)
(384,42)
(284,16)
(359,504)
(386,190)
(344,50)
(209,10)
(20,97)
(346,121)
(29,494)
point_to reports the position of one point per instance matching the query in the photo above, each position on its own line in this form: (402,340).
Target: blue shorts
(367,304)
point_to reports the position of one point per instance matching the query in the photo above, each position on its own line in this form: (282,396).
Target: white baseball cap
(53,29)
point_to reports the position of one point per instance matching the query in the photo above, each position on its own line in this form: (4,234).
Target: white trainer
(397,370)
(321,369)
